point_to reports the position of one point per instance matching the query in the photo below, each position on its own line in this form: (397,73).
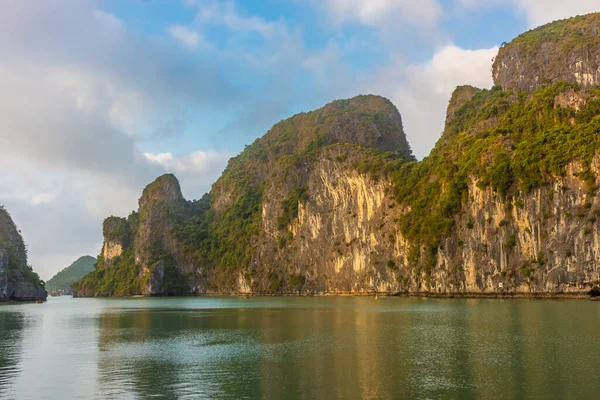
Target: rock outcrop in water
(17,280)
(333,201)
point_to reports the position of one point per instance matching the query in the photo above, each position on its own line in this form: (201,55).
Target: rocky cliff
(17,279)
(333,201)
(567,50)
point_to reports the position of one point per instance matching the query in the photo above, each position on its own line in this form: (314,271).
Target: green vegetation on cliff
(18,281)
(577,31)
(120,279)
(510,141)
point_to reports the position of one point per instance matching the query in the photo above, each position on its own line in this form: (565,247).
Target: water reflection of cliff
(351,348)
(11,341)
(307,352)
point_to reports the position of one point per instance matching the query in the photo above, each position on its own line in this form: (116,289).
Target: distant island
(61,282)
(334,202)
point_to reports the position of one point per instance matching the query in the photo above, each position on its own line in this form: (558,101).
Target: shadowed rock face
(17,280)
(567,50)
(153,238)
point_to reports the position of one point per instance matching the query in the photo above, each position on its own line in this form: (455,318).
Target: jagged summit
(461,96)
(566,50)
(164,188)
(365,120)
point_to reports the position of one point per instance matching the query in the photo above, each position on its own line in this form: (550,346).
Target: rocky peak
(153,235)
(461,96)
(165,188)
(365,120)
(565,50)
(116,229)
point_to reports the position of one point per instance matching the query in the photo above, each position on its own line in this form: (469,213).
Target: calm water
(300,348)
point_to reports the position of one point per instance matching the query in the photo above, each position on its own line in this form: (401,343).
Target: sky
(99,97)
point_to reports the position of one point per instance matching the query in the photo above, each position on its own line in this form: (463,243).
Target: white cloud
(43,198)
(115,24)
(422,92)
(452,66)
(539,12)
(377,12)
(543,11)
(185,36)
(199,162)
(196,171)
(225,13)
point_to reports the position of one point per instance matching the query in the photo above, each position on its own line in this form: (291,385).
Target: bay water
(300,348)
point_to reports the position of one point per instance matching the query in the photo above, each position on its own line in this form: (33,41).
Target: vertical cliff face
(544,241)
(17,279)
(3,273)
(152,234)
(567,50)
(157,249)
(346,239)
(117,237)
(341,239)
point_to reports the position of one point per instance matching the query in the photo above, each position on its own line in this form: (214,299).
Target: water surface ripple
(299,348)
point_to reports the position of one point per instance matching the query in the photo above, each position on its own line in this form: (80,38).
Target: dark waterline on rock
(299,347)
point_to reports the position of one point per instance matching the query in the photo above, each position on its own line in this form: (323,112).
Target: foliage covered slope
(510,141)
(77,270)
(18,281)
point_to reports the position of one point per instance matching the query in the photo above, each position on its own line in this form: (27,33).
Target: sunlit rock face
(346,240)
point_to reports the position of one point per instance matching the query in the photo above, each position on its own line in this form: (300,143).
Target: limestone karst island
(333,257)
(333,201)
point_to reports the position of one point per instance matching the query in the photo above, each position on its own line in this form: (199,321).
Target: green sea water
(300,348)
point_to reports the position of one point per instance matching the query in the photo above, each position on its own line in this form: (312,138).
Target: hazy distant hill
(72,273)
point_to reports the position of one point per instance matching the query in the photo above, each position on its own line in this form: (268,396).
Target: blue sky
(99,97)
(361,49)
